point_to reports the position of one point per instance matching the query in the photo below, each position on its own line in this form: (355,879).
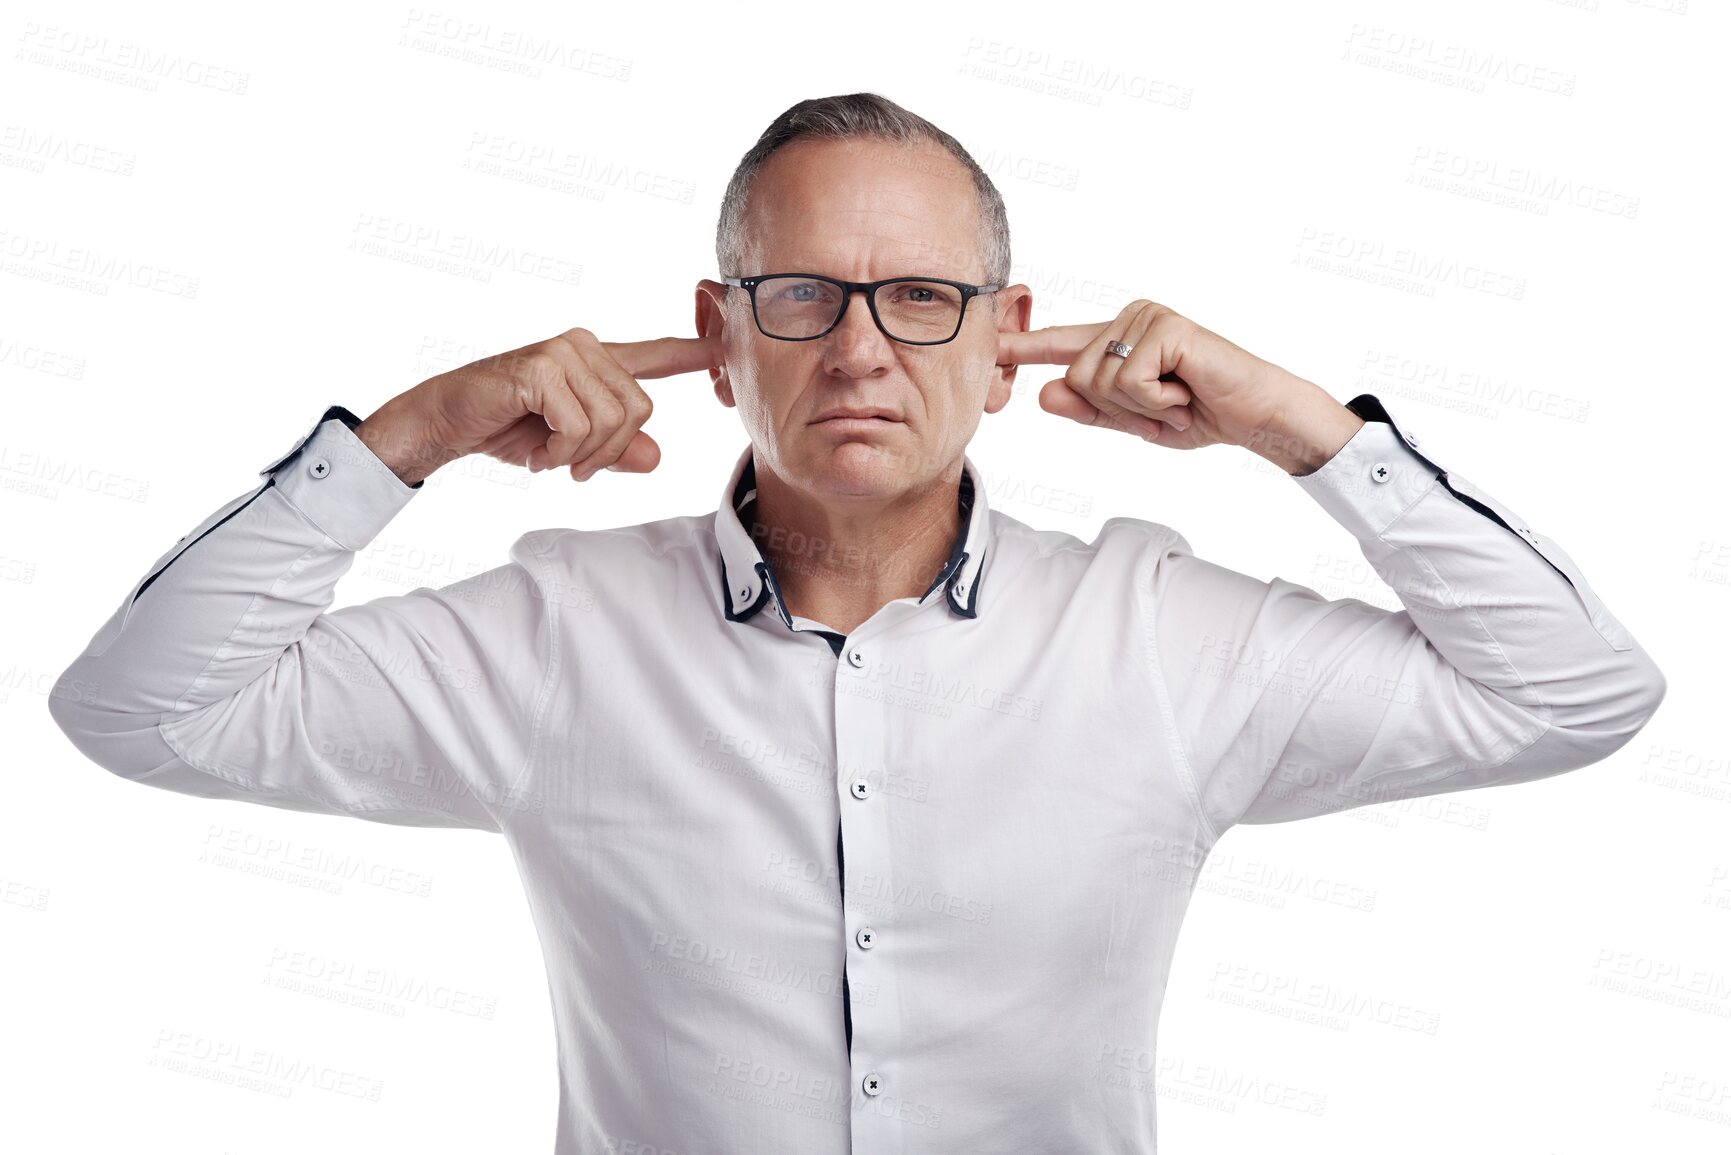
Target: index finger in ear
(665,356)
(1053,345)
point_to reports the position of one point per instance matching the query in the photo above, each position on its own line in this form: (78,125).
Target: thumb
(641,456)
(1058,398)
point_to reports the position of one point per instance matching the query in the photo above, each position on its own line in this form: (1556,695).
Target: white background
(1503,217)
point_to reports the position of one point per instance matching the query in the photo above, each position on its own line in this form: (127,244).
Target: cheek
(955,383)
(765,382)
(751,366)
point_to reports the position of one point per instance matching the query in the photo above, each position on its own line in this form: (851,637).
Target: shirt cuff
(338,483)
(1372,479)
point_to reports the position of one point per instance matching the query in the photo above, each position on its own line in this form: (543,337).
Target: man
(855,815)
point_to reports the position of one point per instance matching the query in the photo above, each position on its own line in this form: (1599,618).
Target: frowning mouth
(856,424)
(857,415)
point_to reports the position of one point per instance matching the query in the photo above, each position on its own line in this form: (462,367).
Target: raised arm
(223,673)
(1502,666)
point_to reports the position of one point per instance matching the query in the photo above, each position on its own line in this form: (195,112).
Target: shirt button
(855,659)
(861,788)
(1380,472)
(866,937)
(319,467)
(873,1084)
(1412,439)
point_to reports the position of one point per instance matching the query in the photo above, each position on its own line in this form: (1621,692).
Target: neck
(839,562)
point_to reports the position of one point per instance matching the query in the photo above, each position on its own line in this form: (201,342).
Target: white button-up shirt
(915,889)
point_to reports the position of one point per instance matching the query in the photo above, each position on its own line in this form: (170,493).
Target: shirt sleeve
(224,674)
(1502,666)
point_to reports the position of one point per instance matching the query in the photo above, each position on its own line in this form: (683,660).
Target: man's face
(862,210)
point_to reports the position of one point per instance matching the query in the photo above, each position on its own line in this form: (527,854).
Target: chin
(856,465)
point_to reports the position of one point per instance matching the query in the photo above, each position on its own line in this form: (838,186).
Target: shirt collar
(749,584)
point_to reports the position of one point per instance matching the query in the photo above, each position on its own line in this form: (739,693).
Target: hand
(1182,386)
(570,400)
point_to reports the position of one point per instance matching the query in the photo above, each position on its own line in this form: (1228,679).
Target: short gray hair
(855,116)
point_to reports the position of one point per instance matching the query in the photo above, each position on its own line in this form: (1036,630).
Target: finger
(565,416)
(1129,327)
(1086,368)
(620,409)
(1170,435)
(1057,397)
(1053,345)
(1122,382)
(1176,417)
(1165,392)
(517,442)
(574,384)
(665,356)
(1170,392)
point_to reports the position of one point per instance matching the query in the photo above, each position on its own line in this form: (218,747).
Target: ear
(1015,305)
(712,322)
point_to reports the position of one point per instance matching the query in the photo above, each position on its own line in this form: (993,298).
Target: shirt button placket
(860,753)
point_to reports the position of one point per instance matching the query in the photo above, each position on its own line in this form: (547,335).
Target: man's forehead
(894,217)
(887,255)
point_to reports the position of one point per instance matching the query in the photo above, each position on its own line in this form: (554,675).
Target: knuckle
(579,426)
(523,394)
(539,364)
(607,409)
(583,378)
(1168,321)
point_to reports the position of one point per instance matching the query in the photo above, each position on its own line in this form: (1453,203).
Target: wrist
(399,438)
(1305,432)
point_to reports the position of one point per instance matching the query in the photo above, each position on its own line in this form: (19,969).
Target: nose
(857,317)
(856,346)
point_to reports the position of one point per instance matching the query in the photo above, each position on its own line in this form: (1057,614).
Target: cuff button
(319,467)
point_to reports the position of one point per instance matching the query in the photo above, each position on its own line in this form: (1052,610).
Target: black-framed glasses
(805,306)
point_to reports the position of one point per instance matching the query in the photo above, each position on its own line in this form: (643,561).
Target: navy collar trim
(748,580)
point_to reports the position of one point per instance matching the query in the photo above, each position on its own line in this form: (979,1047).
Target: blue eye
(797,292)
